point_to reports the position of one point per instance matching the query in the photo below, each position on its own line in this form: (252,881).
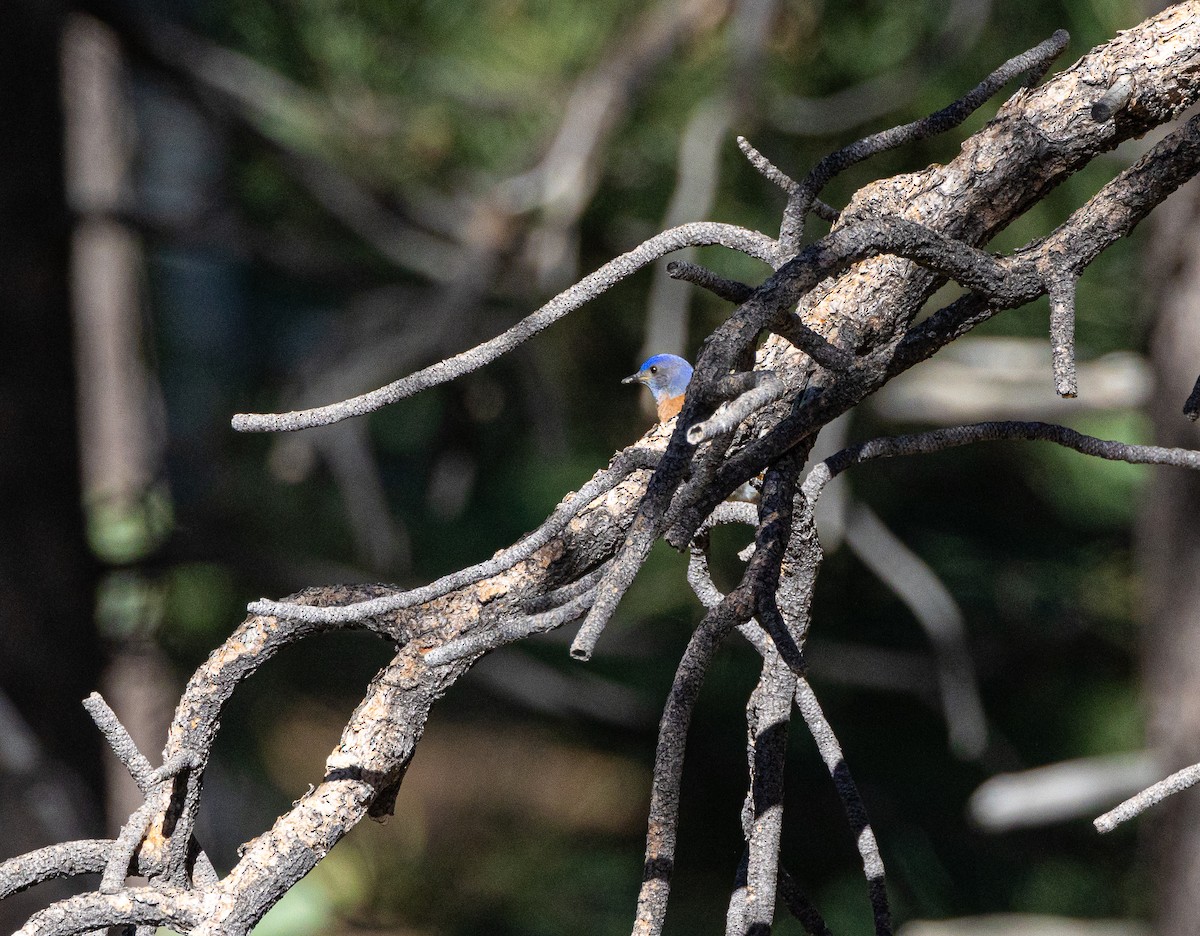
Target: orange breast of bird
(669,407)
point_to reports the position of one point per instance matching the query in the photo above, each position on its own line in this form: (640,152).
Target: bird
(667,376)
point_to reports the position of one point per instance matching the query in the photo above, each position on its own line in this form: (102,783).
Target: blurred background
(222,206)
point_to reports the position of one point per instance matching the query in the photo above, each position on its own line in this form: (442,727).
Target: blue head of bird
(667,376)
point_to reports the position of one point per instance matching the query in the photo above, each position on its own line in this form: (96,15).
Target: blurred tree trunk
(1169,557)
(50,658)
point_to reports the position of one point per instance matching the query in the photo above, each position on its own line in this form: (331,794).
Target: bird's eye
(654,369)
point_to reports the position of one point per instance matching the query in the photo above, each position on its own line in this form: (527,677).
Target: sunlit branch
(868,849)
(632,459)
(1136,805)
(701,233)
(937,440)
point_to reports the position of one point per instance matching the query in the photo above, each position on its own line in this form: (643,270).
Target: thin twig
(793,329)
(773,174)
(831,753)
(768,711)
(937,440)
(625,463)
(1035,61)
(491,637)
(1136,805)
(668,766)
(148,778)
(767,388)
(126,845)
(612,587)
(696,234)
(120,741)
(1112,212)
(1061,291)
(727,289)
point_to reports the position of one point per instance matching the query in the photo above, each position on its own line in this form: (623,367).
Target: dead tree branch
(859,289)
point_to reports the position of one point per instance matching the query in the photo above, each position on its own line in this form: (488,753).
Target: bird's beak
(633,378)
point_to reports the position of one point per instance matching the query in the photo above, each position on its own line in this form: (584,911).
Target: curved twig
(727,289)
(765,388)
(696,234)
(507,632)
(87,856)
(1035,61)
(180,910)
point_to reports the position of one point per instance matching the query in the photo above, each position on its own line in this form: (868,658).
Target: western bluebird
(667,376)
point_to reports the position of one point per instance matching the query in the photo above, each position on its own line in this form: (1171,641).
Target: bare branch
(625,463)
(1136,805)
(668,765)
(937,440)
(1111,213)
(858,290)
(766,388)
(773,174)
(1062,335)
(121,855)
(1035,61)
(729,290)
(699,233)
(120,741)
(510,631)
(868,848)
(752,905)
(812,343)
(88,856)
(182,911)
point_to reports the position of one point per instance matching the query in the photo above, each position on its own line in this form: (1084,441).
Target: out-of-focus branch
(695,189)
(935,609)
(886,93)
